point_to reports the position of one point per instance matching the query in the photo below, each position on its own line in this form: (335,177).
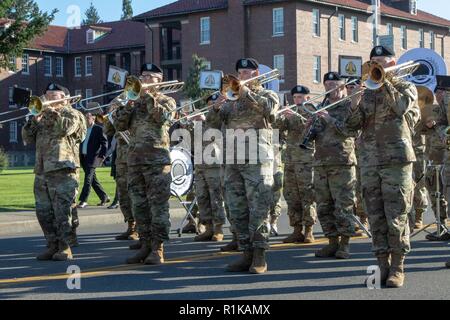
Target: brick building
(78,59)
(302,38)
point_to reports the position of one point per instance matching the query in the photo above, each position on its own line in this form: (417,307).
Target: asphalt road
(196,271)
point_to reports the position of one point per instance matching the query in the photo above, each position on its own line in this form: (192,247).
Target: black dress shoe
(114,206)
(104,202)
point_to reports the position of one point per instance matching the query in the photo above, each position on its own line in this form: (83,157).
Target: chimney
(409,6)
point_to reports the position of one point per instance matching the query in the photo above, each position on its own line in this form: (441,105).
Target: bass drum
(182,171)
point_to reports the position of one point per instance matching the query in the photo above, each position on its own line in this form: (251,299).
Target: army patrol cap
(300,90)
(57,87)
(212,97)
(247,63)
(332,76)
(443,83)
(150,67)
(381,51)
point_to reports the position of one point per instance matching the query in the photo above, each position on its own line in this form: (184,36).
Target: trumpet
(232,84)
(374,75)
(37,105)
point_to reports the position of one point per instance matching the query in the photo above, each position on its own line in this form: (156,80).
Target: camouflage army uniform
(387,117)
(335,174)
(420,201)
(278,177)
(435,152)
(57,137)
(149,165)
(248,186)
(208,183)
(121,171)
(360,211)
(298,171)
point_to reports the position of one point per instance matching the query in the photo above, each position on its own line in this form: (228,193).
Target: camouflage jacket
(57,137)
(121,147)
(254,114)
(435,145)
(335,143)
(292,128)
(209,145)
(147,120)
(387,118)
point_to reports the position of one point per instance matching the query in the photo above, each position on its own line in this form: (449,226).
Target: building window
(404,37)
(278,21)
(316,22)
(13,63)
(78,67)
(317,69)
(341,27)
(355,35)
(25,64)
(413,7)
(59,67)
(88,66)
(13,132)
(78,93)
(90,36)
(278,63)
(88,93)
(205,30)
(48,66)
(207,65)
(10,96)
(421,38)
(432,45)
(389,29)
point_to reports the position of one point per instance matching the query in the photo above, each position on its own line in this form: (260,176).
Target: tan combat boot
(419,220)
(126,235)
(385,266)
(259,264)
(157,254)
(297,236)
(142,254)
(309,237)
(330,249)
(48,255)
(243,264)
(218,233)
(344,248)
(207,235)
(397,271)
(232,246)
(64,253)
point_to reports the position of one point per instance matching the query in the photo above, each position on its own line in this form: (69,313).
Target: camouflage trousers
(299,194)
(250,197)
(275,211)
(122,189)
(149,190)
(55,193)
(208,187)
(420,200)
(227,209)
(388,196)
(360,211)
(431,185)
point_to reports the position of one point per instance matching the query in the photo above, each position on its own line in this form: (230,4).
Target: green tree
(26,22)
(92,16)
(3,160)
(127,10)
(191,87)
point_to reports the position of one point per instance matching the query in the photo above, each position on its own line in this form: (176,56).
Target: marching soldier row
(369,144)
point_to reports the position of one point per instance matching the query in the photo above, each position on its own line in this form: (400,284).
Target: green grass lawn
(16,188)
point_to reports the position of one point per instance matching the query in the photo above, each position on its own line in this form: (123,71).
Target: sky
(111,10)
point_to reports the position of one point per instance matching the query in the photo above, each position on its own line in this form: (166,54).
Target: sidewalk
(26,221)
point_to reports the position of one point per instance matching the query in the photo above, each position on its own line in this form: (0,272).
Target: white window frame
(88,32)
(432,41)
(355,29)
(50,65)
(277,22)
(316,22)
(389,29)
(89,94)
(317,69)
(75,67)
(86,73)
(13,61)
(413,7)
(421,38)
(279,63)
(207,65)
(404,37)
(26,64)
(13,132)
(341,26)
(60,75)
(10,97)
(205,31)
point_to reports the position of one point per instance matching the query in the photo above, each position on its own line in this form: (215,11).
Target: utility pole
(376,4)
(329,38)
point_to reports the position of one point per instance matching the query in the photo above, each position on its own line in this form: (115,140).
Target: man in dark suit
(92,154)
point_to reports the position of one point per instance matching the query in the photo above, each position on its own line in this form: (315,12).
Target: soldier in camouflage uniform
(208,183)
(122,177)
(149,165)
(335,172)
(249,167)
(298,171)
(420,201)
(387,118)
(278,177)
(57,133)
